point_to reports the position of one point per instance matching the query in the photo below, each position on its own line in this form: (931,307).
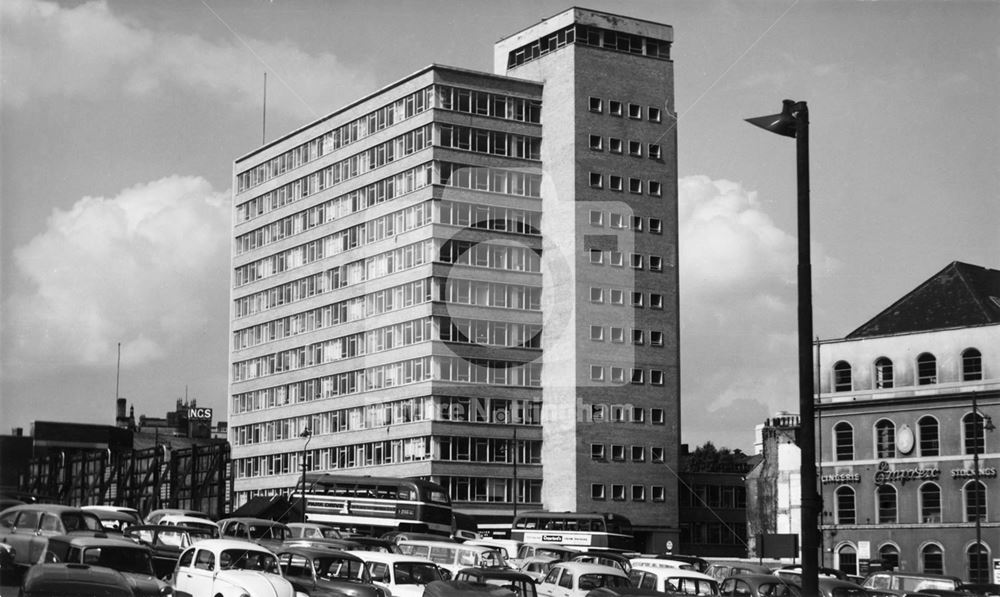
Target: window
(596,217)
(655,300)
(596,180)
(617,453)
(614,145)
(617,335)
(637,223)
(638,376)
(656,377)
(618,492)
(596,373)
(597,333)
(658,493)
(885,496)
(635,111)
(926,369)
(616,220)
(975,501)
(656,455)
(597,491)
(979,564)
(655,338)
(883,373)
(885,439)
(615,258)
(846,512)
(972,365)
(635,148)
(653,114)
(636,299)
(932,559)
(596,105)
(974,432)
(617,375)
(654,151)
(615,183)
(927,429)
(597,295)
(597,142)
(847,559)
(930,503)
(889,555)
(638,337)
(843,437)
(638,493)
(842,376)
(656,416)
(656,225)
(596,256)
(597,451)
(655,263)
(614,108)
(638,454)
(635,260)
(655,189)
(635,185)
(597,413)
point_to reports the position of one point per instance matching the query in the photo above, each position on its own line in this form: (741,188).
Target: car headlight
(166,591)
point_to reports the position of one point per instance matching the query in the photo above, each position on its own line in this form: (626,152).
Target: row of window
(616,296)
(927,441)
(618,453)
(635,260)
(617,183)
(926,369)
(589,35)
(713,533)
(621,493)
(701,495)
(929,511)
(979,568)
(492,489)
(622,221)
(635,148)
(635,375)
(616,335)
(491,256)
(617,108)
(484,103)
(490,142)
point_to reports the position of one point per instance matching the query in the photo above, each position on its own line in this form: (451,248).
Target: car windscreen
(122,559)
(80,521)
(597,581)
(415,573)
(339,568)
(249,559)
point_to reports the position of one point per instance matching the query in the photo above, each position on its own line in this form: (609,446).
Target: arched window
(972,365)
(978,561)
(930,444)
(926,369)
(889,555)
(930,503)
(843,437)
(975,434)
(842,376)
(885,439)
(847,559)
(846,510)
(975,501)
(883,373)
(885,497)
(932,559)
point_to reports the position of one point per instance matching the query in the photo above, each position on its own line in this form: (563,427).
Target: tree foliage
(709,459)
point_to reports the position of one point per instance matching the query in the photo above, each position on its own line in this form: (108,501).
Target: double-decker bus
(584,529)
(374,505)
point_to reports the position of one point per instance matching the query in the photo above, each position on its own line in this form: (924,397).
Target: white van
(401,575)
(453,556)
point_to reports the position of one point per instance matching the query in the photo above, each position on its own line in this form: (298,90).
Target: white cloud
(88,51)
(147,268)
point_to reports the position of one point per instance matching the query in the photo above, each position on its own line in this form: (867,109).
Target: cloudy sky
(120,121)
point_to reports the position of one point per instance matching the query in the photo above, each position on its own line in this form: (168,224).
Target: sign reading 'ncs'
(199,413)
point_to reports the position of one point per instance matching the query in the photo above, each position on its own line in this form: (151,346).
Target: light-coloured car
(154,516)
(901,582)
(453,556)
(268,533)
(116,518)
(179,520)
(27,528)
(673,580)
(758,585)
(576,579)
(508,547)
(538,567)
(403,575)
(654,563)
(228,568)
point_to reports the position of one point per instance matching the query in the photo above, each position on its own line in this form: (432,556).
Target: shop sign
(964,473)
(884,475)
(840,478)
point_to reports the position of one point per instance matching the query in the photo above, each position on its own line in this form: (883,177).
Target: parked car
(758,585)
(74,580)
(318,571)
(699,564)
(456,588)
(27,528)
(191,521)
(830,586)
(576,579)
(905,583)
(267,533)
(981,589)
(374,544)
(313,530)
(661,563)
(402,575)
(229,568)
(131,559)
(538,567)
(546,550)
(154,516)
(606,558)
(166,542)
(673,580)
(453,556)
(517,582)
(794,573)
(115,519)
(508,547)
(721,570)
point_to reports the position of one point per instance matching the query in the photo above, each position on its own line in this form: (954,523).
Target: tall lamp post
(307,434)
(793,121)
(982,424)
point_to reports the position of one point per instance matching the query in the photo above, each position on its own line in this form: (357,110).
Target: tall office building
(471,278)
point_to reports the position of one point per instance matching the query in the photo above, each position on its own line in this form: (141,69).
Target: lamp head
(306,433)
(988,423)
(787,122)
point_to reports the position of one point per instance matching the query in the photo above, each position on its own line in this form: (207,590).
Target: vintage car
(167,542)
(313,530)
(191,521)
(155,515)
(228,568)
(606,558)
(904,583)
(758,585)
(517,582)
(115,519)
(722,570)
(267,533)
(576,579)
(375,544)
(74,580)
(402,575)
(537,567)
(673,580)
(27,528)
(319,571)
(131,559)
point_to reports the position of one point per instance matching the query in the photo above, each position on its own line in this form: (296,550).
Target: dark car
(74,580)
(319,571)
(456,588)
(981,589)
(519,583)
(830,586)
(758,585)
(721,570)
(266,533)
(908,583)
(131,559)
(166,543)
(27,528)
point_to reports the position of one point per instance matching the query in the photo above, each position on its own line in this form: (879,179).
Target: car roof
(48,577)
(91,541)
(589,568)
(674,572)
(220,544)
(387,558)
(58,508)
(500,573)
(251,520)
(313,552)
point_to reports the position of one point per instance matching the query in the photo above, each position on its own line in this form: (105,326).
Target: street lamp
(793,121)
(981,424)
(307,434)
